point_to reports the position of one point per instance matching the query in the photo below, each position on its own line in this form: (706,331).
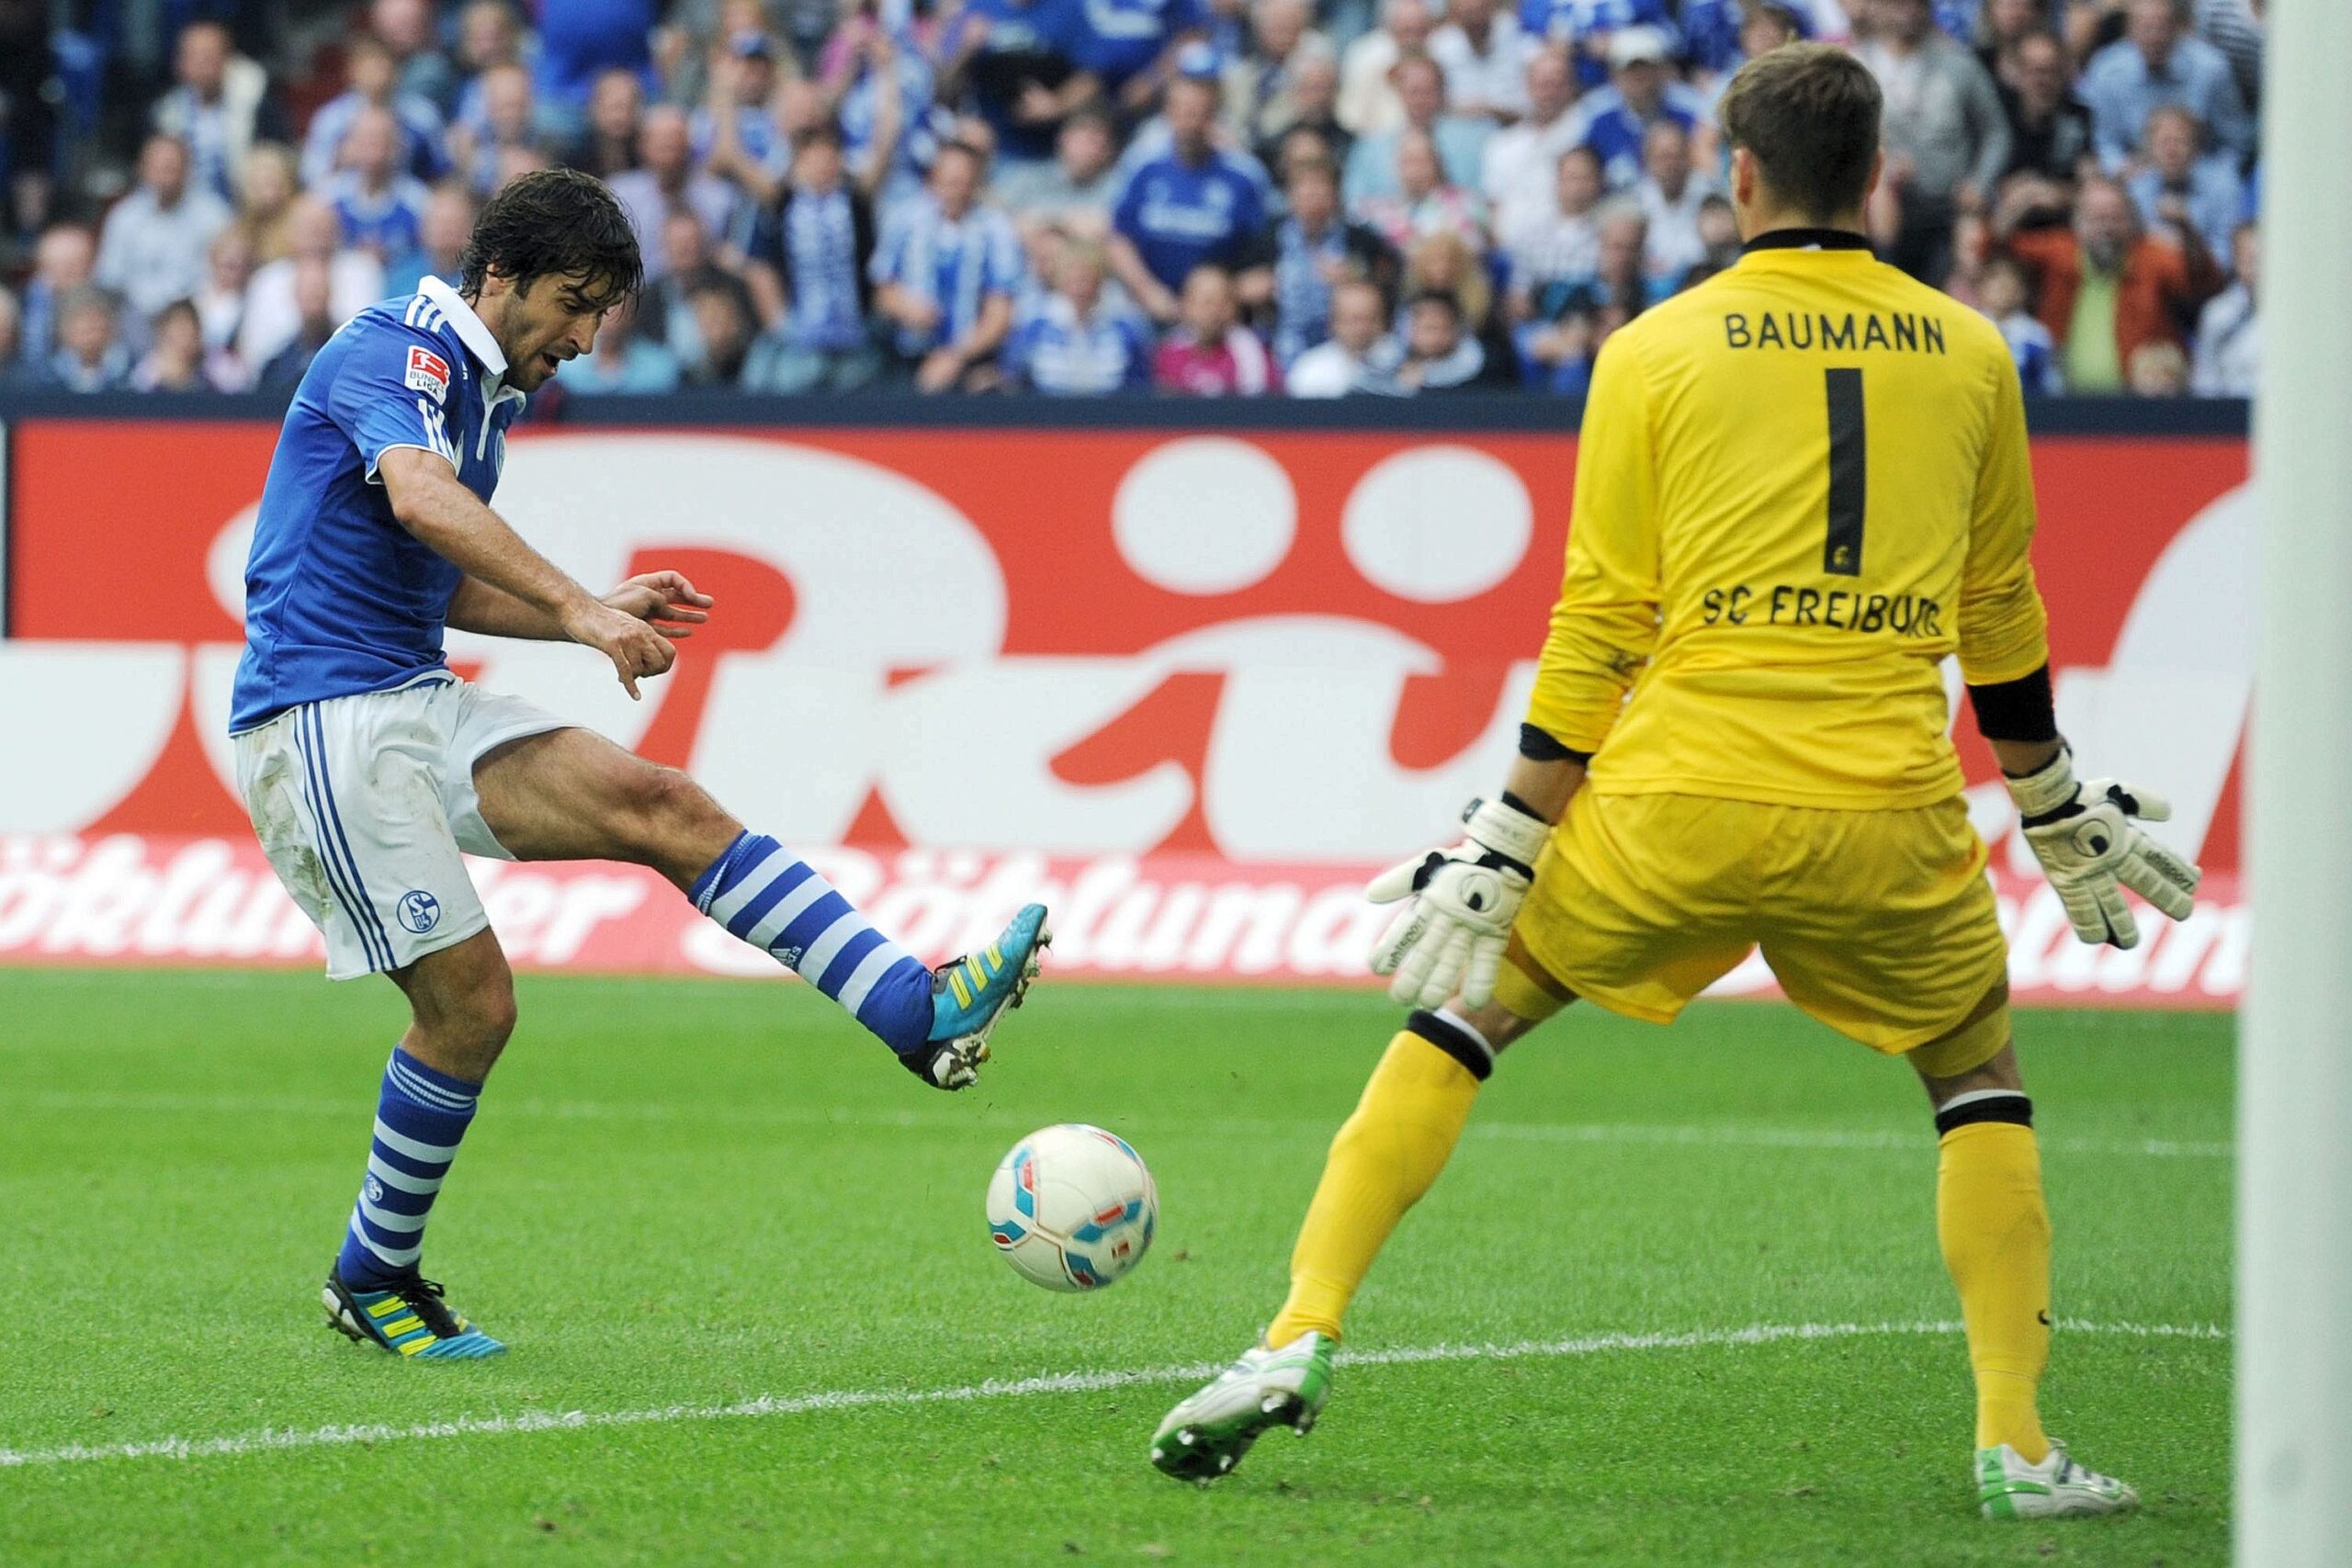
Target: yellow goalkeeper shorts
(1879,923)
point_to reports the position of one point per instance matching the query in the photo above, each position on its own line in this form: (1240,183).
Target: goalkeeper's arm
(2084,833)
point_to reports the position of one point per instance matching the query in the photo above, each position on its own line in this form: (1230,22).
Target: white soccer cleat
(1205,1437)
(2057,1488)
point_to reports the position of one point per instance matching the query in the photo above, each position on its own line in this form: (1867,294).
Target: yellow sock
(1385,1158)
(1995,1238)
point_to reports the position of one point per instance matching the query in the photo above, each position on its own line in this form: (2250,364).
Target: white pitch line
(1921,1140)
(273,1439)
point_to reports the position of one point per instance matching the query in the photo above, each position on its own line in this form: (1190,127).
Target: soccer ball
(1072,1208)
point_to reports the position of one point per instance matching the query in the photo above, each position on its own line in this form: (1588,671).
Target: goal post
(2293,1502)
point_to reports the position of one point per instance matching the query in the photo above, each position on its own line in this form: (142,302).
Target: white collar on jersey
(470,332)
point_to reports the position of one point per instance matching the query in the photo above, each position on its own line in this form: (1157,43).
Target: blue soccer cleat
(408,1319)
(969,994)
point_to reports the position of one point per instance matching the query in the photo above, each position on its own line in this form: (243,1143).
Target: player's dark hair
(1808,114)
(554,223)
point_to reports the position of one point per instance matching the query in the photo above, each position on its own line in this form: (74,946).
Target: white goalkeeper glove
(1450,935)
(2082,835)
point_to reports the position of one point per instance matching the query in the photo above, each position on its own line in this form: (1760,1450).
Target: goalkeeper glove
(1450,935)
(2084,837)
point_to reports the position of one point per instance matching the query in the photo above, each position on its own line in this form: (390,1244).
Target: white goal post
(2293,1502)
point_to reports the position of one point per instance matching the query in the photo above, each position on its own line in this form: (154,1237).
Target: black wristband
(1542,746)
(2023,709)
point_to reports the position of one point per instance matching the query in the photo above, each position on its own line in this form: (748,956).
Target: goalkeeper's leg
(1995,1232)
(1385,1158)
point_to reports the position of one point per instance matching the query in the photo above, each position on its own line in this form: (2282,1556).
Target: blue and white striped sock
(759,891)
(420,1118)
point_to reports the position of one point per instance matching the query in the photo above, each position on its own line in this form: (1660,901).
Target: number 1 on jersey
(1841,555)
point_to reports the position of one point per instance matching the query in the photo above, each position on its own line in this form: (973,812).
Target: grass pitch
(755,1318)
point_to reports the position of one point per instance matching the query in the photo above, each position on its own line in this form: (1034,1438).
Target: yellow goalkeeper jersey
(1799,486)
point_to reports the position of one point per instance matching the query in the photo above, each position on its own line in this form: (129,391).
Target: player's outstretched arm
(662,600)
(2085,833)
(431,502)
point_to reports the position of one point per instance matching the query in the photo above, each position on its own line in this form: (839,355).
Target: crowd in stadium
(1309,198)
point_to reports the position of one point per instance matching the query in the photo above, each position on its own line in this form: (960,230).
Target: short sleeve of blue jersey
(390,388)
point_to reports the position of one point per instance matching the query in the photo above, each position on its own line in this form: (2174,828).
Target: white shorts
(364,803)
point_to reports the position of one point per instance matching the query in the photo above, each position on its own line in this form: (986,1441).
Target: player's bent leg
(1994,1229)
(572,794)
(1385,1158)
(461,1001)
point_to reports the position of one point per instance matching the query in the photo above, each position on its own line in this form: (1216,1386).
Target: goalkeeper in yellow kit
(1800,487)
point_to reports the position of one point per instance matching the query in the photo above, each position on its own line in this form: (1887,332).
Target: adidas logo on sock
(788,956)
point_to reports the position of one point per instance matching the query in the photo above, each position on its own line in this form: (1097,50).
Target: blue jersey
(390,222)
(1053,350)
(1120,38)
(1021,42)
(1178,216)
(955,263)
(1608,126)
(340,598)
(1571,22)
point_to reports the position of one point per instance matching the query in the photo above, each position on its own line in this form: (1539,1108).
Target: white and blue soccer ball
(1072,1207)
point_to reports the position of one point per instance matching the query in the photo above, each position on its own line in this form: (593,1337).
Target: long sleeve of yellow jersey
(1606,623)
(2004,631)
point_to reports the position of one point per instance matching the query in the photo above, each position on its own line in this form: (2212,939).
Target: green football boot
(1205,1437)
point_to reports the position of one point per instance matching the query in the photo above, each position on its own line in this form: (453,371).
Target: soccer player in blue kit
(367,766)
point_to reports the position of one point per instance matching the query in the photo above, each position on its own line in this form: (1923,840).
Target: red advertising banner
(1198,685)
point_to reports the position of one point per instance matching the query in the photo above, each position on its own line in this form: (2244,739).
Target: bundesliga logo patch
(428,372)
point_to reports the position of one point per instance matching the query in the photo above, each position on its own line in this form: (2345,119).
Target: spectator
(1018,59)
(608,145)
(1210,353)
(623,362)
(370,69)
(1076,190)
(1671,195)
(1589,30)
(482,149)
(2156,62)
(1359,355)
(945,276)
(1131,46)
(29,116)
(1368,98)
(580,41)
(1444,264)
(1721,35)
(441,233)
(1565,247)
(1260,85)
(1945,137)
(2004,293)
(15,373)
(152,250)
(380,209)
(267,186)
(1614,118)
(722,334)
(1424,203)
(883,84)
(2049,129)
(2229,334)
(2000,27)
(1620,266)
(64,262)
(2235,26)
(1314,112)
(809,258)
(666,182)
(1459,141)
(1302,257)
(1441,355)
(2173,189)
(2157,369)
(666,307)
(422,69)
(735,137)
(1190,204)
(1485,57)
(488,37)
(1520,171)
(1556,345)
(273,314)
(90,355)
(1719,234)
(219,106)
(1078,340)
(2105,288)
(221,304)
(174,359)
